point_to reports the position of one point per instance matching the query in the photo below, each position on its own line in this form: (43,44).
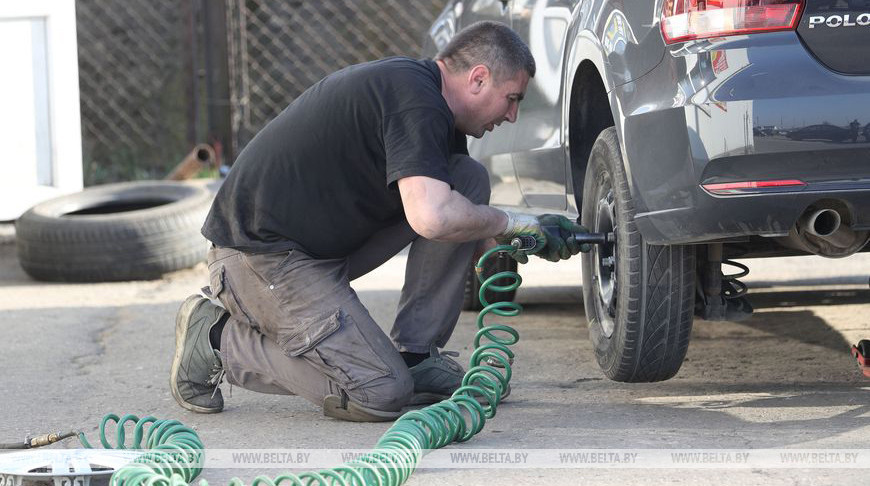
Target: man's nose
(511,115)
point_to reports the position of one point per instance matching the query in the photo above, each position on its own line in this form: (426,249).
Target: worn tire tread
(133,245)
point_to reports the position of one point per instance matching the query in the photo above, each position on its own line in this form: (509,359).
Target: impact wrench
(528,243)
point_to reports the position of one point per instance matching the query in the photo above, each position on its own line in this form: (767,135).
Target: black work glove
(561,244)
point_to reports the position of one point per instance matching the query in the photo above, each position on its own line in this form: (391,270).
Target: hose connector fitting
(46,439)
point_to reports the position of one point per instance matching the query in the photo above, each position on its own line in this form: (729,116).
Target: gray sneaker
(436,377)
(196,367)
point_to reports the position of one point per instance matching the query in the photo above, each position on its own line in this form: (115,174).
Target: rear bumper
(727,111)
(770,214)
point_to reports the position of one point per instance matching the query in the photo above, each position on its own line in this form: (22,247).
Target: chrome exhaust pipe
(823,232)
(826,224)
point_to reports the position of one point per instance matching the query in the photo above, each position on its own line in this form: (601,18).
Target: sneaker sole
(181,319)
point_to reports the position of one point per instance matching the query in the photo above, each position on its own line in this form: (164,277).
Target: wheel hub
(604,272)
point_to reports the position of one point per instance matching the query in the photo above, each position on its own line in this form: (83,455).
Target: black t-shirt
(321,175)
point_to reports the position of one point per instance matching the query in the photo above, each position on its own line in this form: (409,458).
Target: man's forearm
(436,212)
(461,220)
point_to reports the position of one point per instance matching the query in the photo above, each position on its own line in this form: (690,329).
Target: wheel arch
(589,113)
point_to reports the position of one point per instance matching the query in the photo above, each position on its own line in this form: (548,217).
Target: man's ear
(478,77)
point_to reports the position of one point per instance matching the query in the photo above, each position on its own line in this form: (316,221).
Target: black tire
(127,231)
(640,307)
(495,264)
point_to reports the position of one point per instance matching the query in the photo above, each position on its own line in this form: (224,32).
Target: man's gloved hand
(561,244)
(523,225)
(554,235)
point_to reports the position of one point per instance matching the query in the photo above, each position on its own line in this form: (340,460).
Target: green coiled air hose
(174,454)
(174,457)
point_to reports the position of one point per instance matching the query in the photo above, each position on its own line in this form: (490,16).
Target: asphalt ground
(784,379)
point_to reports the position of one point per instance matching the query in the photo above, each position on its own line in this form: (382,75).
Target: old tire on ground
(127,231)
(493,265)
(638,297)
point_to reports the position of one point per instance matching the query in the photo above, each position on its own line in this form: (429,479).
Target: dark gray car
(679,127)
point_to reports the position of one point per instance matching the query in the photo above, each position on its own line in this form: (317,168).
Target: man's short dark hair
(493,44)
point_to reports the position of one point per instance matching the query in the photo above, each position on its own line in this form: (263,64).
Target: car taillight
(684,20)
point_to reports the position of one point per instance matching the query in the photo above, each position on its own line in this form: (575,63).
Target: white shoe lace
(216,376)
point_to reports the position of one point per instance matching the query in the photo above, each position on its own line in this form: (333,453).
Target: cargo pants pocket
(336,346)
(223,291)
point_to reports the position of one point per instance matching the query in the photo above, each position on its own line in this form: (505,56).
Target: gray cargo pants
(297,327)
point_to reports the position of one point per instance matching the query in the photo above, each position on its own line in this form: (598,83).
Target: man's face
(493,102)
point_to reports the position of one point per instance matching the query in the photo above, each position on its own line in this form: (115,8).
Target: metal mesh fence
(132,82)
(280,48)
(143,66)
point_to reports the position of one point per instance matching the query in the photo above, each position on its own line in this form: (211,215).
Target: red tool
(861,352)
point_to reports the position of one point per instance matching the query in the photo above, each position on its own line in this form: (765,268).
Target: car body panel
(838,33)
(719,91)
(537,148)
(540,147)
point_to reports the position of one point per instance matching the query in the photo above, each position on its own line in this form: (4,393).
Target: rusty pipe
(202,156)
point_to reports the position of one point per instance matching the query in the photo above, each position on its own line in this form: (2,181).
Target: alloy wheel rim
(604,256)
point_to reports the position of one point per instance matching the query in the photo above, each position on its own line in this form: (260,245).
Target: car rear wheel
(639,298)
